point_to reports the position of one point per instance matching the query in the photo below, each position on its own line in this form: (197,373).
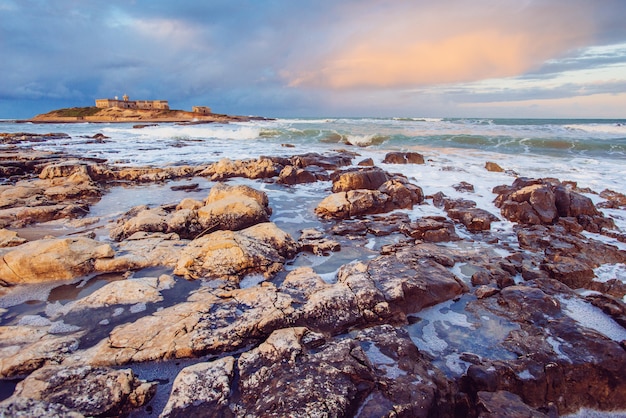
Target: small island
(143,111)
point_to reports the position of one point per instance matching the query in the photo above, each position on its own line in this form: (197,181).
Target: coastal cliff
(114,114)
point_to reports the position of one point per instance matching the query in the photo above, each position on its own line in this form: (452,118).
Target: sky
(298,58)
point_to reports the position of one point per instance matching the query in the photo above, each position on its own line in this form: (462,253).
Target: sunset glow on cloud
(417,45)
(351,57)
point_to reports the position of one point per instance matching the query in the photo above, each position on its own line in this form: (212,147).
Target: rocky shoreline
(271,338)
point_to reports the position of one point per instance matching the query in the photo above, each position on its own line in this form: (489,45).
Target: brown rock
(370,179)
(52,259)
(28,408)
(252,169)
(315,242)
(568,270)
(486,291)
(147,220)
(403,158)
(331,380)
(464,187)
(474,219)
(433,229)
(202,389)
(504,404)
(87,390)
(353,203)
(24,349)
(262,248)
(491,166)
(10,239)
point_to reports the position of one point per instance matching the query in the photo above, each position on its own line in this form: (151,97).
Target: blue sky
(446,58)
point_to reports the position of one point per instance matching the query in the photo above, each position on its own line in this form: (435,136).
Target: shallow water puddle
(447,331)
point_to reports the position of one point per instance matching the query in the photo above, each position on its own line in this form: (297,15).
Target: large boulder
(352,203)
(226,208)
(87,390)
(202,389)
(370,179)
(546,201)
(52,259)
(230,255)
(233,208)
(393,194)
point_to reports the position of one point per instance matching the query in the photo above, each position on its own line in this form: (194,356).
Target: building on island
(201,109)
(125,103)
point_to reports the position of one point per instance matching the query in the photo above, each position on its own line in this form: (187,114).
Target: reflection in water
(448,330)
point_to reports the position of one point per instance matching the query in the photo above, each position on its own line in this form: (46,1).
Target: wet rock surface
(462,311)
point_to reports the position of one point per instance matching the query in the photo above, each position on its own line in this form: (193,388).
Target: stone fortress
(126,103)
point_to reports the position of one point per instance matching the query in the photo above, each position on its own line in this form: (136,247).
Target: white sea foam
(251,280)
(608,272)
(592,317)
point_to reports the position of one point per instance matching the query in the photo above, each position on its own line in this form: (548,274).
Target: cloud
(398,44)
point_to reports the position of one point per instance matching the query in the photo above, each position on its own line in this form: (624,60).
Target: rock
(486,291)
(28,408)
(209,322)
(122,292)
(353,203)
(368,162)
(143,250)
(392,194)
(292,175)
(352,301)
(87,390)
(533,204)
(403,158)
(504,404)
(474,219)
(464,187)
(315,242)
(28,215)
(148,220)
(229,255)
(328,162)
(402,194)
(202,390)
(331,380)
(233,208)
(614,199)
(10,239)
(52,259)
(559,364)
(226,208)
(433,229)
(252,169)
(221,191)
(568,257)
(409,283)
(544,201)
(24,349)
(569,271)
(370,179)
(376,372)
(491,166)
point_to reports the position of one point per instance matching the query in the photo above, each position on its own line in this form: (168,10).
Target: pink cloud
(402,44)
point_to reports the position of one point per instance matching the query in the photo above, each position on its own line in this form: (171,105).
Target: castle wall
(133,104)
